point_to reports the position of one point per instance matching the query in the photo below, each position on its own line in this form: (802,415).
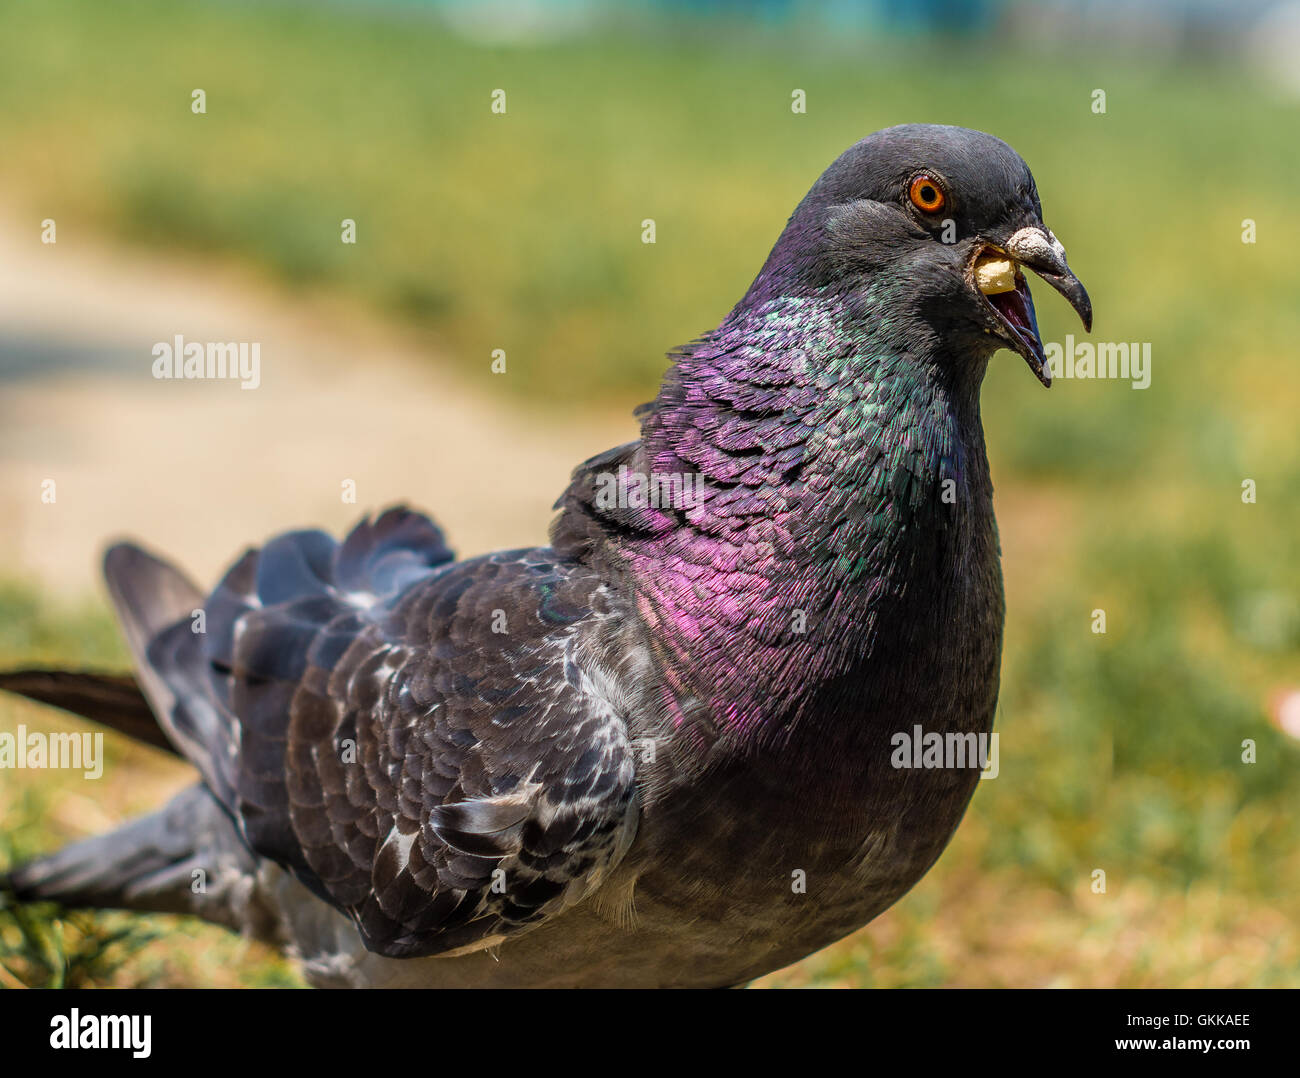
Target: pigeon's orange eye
(926,194)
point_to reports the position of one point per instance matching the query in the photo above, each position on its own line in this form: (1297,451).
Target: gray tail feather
(185,858)
(155,603)
(112,700)
(150,597)
(149,594)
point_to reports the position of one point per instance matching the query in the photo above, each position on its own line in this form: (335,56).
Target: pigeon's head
(942,220)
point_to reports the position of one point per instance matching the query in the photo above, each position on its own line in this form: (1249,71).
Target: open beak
(995,271)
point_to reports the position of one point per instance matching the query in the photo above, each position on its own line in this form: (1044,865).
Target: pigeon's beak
(995,272)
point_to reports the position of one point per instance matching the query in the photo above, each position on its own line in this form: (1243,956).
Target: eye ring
(926,193)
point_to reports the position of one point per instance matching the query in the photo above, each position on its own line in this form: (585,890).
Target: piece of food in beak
(995,273)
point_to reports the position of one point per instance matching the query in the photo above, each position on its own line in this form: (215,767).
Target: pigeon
(663,750)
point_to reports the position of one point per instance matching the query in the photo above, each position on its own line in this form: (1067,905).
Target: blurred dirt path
(198,470)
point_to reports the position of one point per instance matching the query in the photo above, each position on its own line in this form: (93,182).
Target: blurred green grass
(1120,751)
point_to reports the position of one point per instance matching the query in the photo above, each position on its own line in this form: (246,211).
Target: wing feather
(421,742)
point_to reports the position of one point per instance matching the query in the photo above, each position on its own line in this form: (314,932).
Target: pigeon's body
(661,751)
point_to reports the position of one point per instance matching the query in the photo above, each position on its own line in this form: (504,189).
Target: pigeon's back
(415,743)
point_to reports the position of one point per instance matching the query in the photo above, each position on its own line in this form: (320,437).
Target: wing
(431,747)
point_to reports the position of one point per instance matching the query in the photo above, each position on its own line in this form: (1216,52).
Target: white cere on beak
(1036,245)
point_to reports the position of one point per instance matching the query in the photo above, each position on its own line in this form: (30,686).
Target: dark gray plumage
(604,762)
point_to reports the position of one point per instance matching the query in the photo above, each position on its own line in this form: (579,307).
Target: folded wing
(429,746)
